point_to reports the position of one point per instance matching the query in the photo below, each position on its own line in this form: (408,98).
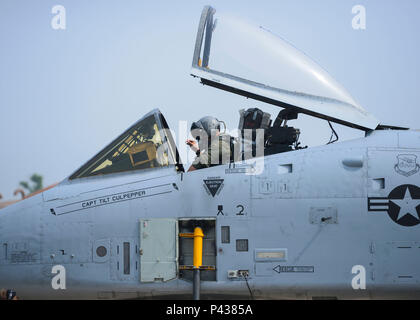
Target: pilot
(210,145)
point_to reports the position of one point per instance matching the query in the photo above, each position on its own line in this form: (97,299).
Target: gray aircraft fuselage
(298,227)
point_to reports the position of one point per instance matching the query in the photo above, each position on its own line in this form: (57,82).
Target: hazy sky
(65,94)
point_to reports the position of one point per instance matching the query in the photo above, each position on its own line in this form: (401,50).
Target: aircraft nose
(2,229)
(20,243)
(3,249)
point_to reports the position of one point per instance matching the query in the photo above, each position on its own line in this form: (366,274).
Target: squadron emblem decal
(213,186)
(402,205)
(407,165)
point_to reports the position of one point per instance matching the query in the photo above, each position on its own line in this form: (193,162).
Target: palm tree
(36,180)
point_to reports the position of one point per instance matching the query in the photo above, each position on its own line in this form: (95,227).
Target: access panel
(158,249)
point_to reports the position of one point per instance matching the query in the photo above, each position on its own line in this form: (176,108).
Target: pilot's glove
(194,146)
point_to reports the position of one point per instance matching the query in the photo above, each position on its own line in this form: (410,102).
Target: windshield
(137,148)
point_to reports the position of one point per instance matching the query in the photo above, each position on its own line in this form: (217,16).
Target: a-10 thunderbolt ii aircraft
(335,221)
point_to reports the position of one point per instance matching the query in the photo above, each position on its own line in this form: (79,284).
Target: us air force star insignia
(402,205)
(407,205)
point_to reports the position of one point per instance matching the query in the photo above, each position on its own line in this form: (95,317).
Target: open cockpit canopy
(146,144)
(235,56)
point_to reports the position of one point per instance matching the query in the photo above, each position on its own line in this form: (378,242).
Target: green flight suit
(217,153)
